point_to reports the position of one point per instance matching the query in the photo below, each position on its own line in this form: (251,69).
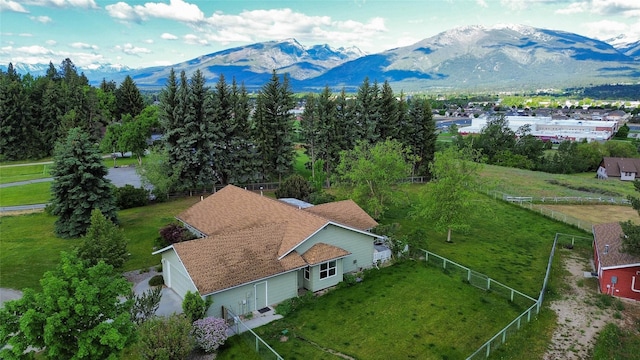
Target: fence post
(469,275)
(488,283)
(444,264)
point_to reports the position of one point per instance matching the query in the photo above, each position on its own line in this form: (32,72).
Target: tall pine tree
(273,128)
(420,135)
(79,185)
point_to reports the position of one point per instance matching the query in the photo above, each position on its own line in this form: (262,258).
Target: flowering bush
(209,333)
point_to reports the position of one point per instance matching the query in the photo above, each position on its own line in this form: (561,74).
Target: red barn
(618,272)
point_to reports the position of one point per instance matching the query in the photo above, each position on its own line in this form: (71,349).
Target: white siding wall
(175,273)
(241,300)
(359,245)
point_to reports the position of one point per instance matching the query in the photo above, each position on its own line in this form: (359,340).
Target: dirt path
(579,319)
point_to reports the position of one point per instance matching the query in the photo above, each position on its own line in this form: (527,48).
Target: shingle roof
(232,209)
(247,255)
(247,233)
(610,234)
(322,252)
(616,165)
(345,212)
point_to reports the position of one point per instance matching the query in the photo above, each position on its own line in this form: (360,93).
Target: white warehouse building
(547,129)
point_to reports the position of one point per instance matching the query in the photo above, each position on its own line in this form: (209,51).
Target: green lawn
(407,311)
(29,247)
(37,193)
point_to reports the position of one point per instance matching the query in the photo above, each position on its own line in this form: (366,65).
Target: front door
(260,289)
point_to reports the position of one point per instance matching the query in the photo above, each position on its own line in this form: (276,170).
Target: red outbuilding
(618,272)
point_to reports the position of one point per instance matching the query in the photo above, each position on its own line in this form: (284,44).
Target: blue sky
(163,32)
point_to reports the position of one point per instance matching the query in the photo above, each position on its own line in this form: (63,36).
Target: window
(306,273)
(327,269)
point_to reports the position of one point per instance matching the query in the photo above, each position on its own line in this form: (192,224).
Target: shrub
(194,306)
(165,338)
(156,280)
(175,233)
(129,197)
(145,305)
(209,333)
(321,197)
(295,186)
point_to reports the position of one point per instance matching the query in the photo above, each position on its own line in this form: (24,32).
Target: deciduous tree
(371,174)
(448,200)
(78,314)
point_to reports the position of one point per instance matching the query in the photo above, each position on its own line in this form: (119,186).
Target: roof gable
(242,256)
(345,212)
(608,243)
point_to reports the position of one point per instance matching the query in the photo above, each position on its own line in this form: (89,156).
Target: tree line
(37,112)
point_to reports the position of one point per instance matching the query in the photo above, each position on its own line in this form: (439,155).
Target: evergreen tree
(387,126)
(167,116)
(79,185)
(367,111)
(103,242)
(272,123)
(14,112)
(224,127)
(128,99)
(311,132)
(421,135)
(245,166)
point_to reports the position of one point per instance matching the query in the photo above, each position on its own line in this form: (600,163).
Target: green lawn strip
(29,248)
(405,311)
(9,174)
(23,173)
(616,343)
(37,193)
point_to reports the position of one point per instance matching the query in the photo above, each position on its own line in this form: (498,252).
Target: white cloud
(260,25)
(176,10)
(41,19)
(149,41)
(168,36)
(129,49)
(13,6)
(607,29)
(574,8)
(123,11)
(81,45)
(86,4)
(25,34)
(51,42)
(482,3)
(628,8)
(192,39)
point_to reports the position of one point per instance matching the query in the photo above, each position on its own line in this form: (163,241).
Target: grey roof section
(297,203)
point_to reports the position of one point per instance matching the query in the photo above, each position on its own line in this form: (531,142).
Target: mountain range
(471,58)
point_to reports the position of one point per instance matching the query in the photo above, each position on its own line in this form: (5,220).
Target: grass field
(26,238)
(407,311)
(518,182)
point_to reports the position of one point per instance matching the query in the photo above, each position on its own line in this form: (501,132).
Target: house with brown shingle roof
(618,272)
(626,169)
(254,251)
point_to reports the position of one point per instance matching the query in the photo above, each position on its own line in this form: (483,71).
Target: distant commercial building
(547,129)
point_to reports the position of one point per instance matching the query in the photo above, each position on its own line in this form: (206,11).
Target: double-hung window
(328,269)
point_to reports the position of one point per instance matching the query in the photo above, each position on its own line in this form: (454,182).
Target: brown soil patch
(579,318)
(597,214)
